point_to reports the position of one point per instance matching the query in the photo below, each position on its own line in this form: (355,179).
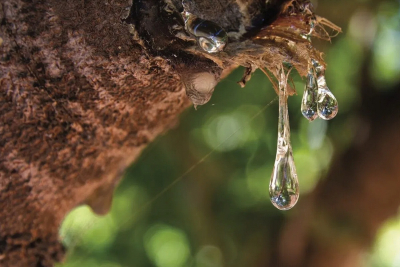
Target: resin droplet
(199,87)
(309,101)
(327,104)
(284,185)
(210,36)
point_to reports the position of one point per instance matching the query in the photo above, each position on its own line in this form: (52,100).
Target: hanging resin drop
(309,101)
(327,104)
(284,186)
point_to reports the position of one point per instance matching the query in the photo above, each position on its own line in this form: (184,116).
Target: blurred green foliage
(386,251)
(219,213)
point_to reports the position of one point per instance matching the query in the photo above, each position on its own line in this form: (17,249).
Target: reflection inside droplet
(284,189)
(327,105)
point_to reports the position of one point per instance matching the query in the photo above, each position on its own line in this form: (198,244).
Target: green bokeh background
(219,213)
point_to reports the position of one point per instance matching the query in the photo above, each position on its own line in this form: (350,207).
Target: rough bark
(79,101)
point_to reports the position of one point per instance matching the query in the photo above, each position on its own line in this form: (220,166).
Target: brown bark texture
(79,100)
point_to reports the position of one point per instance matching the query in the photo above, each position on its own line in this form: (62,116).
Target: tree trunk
(80,98)
(86,85)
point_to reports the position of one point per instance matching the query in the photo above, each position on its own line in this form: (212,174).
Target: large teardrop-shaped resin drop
(284,185)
